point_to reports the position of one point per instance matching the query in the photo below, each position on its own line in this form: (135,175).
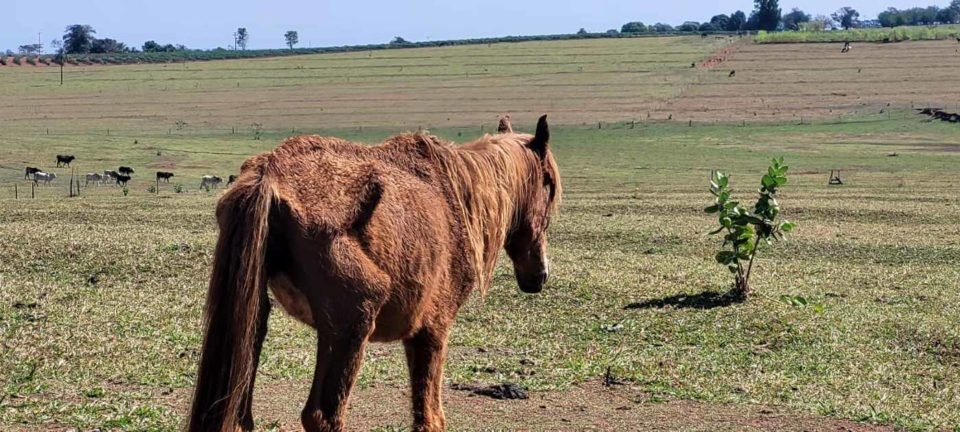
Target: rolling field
(101,296)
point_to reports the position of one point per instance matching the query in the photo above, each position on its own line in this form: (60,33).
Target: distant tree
(107,45)
(889,17)
(929,15)
(708,27)
(633,27)
(753,23)
(737,21)
(151,46)
(848,17)
(398,41)
(720,21)
(948,15)
(30,49)
(689,26)
(240,38)
(662,28)
(824,22)
(612,32)
(792,20)
(582,31)
(768,14)
(77,39)
(292,38)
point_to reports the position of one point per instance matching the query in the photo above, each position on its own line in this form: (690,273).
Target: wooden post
(33,190)
(16,192)
(158,186)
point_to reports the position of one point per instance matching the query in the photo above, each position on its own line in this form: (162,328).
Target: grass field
(101,296)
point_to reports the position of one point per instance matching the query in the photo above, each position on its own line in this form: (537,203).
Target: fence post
(33,189)
(16,192)
(158,186)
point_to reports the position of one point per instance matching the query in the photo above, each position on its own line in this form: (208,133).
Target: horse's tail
(236,303)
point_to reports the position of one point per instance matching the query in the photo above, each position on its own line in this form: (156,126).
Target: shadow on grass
(704,300)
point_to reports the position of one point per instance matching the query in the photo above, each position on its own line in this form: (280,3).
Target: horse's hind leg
(425,354)
(246,406)
(339,355)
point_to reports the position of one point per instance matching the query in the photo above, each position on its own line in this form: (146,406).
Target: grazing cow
(109,175)
(232,178)
(846,48)
(122,179)
(30,171)
(505,126)
(210,181)
(125,170)
(94,177)
(46,178)
(165,176)
(64,160)
(733,73)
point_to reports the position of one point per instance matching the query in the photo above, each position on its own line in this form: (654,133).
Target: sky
(210,23)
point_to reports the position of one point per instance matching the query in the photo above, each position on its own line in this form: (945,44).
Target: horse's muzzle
(533,284)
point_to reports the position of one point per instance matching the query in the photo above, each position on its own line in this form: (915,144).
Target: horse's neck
(489,186)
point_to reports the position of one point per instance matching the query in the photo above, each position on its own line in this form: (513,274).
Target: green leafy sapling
(744,229)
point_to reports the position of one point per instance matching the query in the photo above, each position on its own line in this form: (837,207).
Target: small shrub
(178,188)
(126,191)
(152,189)
(744,228)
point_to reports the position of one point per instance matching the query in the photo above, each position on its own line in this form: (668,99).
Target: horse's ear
(541,138)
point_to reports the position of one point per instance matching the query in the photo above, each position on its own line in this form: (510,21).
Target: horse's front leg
(339,355)
(426,351)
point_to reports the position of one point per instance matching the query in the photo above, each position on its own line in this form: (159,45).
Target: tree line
(768,16)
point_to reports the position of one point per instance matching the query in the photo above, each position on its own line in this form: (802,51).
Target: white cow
(210,181)
(46,178)
(95,178)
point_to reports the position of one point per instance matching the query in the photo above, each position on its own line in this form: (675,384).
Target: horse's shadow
(704,300)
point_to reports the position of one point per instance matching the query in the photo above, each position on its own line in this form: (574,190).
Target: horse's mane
(489,180)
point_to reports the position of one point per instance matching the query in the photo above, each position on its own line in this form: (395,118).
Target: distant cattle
(125,170)
(95,178)
(232,178)
(64,160)
(846,48)
(109,175)
(505,126)
(122,179)
(210,181)
(30,171)
(46,178)
(733,73)
(165,176)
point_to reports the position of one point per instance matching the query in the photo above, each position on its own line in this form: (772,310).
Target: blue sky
(209,24)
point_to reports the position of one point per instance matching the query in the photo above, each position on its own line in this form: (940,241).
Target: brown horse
(363,244)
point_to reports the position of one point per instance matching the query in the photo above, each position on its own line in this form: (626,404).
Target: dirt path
(588,407)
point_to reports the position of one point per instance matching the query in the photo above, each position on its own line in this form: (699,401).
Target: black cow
(733,73)
(165,176)
(30,171)
(122,179)
(125,170)
(64,160)
(232,178)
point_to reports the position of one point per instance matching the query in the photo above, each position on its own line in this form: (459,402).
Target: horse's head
(527,241)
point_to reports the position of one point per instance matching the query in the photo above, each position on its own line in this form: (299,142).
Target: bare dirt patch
(591,406)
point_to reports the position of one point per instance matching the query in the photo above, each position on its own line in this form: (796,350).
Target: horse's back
(369,224)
